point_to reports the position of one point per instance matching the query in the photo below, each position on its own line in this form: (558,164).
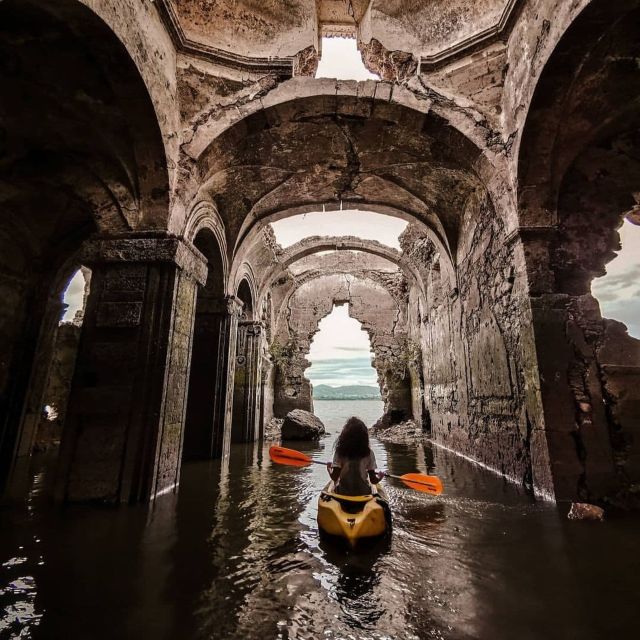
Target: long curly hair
(353,441)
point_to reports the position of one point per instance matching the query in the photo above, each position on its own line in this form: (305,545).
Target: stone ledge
(146,249)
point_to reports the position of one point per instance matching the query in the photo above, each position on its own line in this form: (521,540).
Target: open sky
(341,352)
(342,60)
(364,224)
(619,291)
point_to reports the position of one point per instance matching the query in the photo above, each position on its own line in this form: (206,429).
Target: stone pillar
(569,412)
(207,415)
(123,435)
(266,392)
(246,388)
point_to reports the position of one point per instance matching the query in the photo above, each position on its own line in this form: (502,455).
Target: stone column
(209,379)
(227,363)
(123,435)
(266,391)
(565,405)
(246,390)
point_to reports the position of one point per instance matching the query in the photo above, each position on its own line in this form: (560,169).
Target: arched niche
(206,401)
(82,153)
(578,176)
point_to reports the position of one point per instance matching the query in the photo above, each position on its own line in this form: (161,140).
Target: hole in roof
(341,60)
(366,225)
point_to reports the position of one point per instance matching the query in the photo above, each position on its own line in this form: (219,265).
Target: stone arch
(204,215)
(331,92)
(370,302)
(590,58)
(346,152)
(578,171)
(82,154)
(246,292)
(316,244)
(115,159)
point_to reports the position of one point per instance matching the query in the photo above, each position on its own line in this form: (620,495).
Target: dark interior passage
(205,417)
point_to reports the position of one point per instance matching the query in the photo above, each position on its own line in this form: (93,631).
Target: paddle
(417,481)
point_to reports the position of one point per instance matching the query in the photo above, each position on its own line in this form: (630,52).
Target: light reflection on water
(236,555)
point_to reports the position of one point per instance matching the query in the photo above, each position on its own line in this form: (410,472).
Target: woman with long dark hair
(354,464)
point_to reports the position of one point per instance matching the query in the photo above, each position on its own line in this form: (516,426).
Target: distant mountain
(350,392)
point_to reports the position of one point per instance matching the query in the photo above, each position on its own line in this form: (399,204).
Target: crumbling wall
(370,301)
(470,331)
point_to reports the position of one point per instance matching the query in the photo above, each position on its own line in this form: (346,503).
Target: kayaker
(354,464)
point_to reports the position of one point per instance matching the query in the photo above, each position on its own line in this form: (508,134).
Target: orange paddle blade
(291,457)
(422,482)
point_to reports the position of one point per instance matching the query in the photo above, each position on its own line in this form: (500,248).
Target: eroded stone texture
(469,327)
(506,131)
(257,28)
(123,436)
(371,302)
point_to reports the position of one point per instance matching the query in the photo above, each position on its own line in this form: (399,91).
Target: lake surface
(236,555)
(334,413)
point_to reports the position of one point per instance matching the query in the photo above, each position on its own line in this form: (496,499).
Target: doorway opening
(206,399)
(344,381)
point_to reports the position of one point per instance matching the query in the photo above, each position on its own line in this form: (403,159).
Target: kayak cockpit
(353,518)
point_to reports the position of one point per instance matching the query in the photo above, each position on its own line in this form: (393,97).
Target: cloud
(627,312)
(342,371)
(618,291)
(626,278)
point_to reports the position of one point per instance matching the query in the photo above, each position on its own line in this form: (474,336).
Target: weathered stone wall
(382,315)
(472,337)
(58,385)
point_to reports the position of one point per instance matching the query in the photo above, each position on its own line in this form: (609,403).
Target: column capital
(253,327)
(234,305)
(152,247)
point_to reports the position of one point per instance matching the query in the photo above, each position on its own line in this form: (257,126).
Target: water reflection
(353,582)
(237,555)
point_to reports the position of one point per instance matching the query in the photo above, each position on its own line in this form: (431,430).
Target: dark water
(236,555)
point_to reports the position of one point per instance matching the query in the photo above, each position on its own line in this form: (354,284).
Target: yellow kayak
(353,517)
